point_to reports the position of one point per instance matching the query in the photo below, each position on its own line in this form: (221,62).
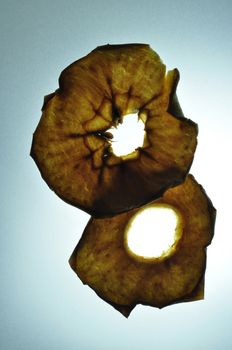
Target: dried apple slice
(72,144)
(103,260)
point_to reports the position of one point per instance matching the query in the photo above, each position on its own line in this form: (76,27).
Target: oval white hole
(152,232)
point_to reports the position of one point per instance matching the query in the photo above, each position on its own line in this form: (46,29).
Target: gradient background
(43,305)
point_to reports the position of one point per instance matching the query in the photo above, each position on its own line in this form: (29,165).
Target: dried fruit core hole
(153,232)
(127,136)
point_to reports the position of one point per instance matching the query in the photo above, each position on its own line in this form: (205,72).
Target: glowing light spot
(128,136)
(152,232)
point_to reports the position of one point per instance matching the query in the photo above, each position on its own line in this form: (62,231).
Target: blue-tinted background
(43,305)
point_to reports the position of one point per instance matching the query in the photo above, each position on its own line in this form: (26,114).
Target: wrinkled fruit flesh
(103,260)
(72,144)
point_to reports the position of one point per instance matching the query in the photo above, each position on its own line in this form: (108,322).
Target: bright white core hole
(128,136)
(152,232)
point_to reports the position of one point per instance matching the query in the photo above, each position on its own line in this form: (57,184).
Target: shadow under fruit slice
(72,143)
(103,260)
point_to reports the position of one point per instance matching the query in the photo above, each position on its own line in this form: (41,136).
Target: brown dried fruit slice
(102,259)
(72,147)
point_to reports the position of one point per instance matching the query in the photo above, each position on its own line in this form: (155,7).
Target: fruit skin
(101,258)
(70,144)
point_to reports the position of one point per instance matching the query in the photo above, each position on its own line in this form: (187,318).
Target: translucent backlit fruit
(103,260)
(73,149)
(72,142)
